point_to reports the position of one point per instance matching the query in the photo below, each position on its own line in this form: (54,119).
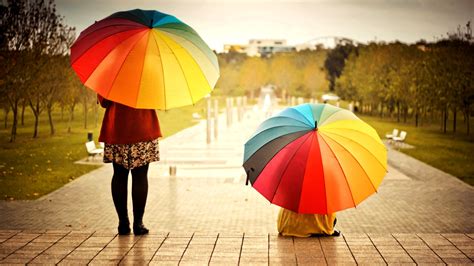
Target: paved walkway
(208,195)
(99,248)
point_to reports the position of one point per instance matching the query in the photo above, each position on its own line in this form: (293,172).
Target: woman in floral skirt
(131,143)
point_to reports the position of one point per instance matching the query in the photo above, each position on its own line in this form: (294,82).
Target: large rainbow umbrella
(145,59)
(315,158)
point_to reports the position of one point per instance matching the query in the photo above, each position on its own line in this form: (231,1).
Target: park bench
(394,134)
(401,138)
(92,150)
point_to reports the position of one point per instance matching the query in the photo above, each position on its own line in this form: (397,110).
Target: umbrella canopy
(315,158)
(145,59)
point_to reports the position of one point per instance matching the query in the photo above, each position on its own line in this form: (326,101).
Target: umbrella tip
(315,125)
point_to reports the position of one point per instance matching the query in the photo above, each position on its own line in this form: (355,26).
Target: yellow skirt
(304,225)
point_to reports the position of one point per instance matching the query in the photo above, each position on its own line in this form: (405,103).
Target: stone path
(208,195)
(105,247)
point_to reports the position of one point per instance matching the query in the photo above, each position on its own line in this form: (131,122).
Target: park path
(208,194)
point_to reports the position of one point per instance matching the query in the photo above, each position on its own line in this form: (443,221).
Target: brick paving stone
(350,249)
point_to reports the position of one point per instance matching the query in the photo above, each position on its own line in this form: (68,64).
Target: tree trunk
(36,112)
(398,112)
(416,117)
(71,116)
(50,117)
(15,120)
(23,107)
(454,119)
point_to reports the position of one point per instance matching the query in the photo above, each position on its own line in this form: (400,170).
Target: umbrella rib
(322,123)
(141,74)
(301,191)
(367,126)
(108,26)
(162,68)
(193,44)
(194,60)
(304,120)
(144,15)
(130,12)
(343,172)
(373,155)
(258,133)
(286,167)
(85,51)
(120,69)
(277,151)
(284,117)
(181,67)
(188,31)
(310,122)
(351,129)
(310,111)
(366,174)
(247,143)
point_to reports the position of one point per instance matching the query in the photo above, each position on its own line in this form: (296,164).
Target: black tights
(139,192)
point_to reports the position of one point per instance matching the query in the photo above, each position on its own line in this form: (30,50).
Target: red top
(127,125)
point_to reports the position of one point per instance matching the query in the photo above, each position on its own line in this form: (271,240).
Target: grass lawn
(449,152)
(31,168)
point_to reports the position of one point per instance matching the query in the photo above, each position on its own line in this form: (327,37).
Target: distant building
(324,42)
(260,47)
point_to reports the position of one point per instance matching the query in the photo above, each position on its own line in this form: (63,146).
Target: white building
(261,47)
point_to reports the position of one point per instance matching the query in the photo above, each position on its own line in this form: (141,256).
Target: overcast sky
(232,21)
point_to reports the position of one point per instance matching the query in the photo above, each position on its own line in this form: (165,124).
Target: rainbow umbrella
(145,59)
(315,158)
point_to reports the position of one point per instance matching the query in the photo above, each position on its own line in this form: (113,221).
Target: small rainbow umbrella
(315,158)
(145,59)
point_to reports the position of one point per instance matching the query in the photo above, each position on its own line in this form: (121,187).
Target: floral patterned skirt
(132,155)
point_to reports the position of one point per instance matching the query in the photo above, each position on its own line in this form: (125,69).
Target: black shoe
(124,229)
(140,229)
(336,233)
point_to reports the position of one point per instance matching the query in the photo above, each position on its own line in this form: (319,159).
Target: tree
(253,75)
(70,94)
(284,74)
(32,33)
(314,79)
(14,42)
(335,61)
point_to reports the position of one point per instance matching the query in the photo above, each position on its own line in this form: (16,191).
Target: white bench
(401,138)
(394,134)
(92,150)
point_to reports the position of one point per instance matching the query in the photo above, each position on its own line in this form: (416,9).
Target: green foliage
(299,74)
(420,80)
